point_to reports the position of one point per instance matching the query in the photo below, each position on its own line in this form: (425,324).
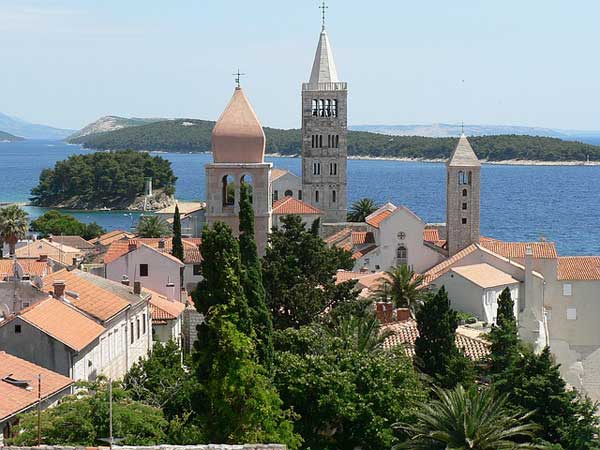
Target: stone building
(238,147)
(462,197)
(324,136)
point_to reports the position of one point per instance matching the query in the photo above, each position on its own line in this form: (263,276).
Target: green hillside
(187,135)
(9,137)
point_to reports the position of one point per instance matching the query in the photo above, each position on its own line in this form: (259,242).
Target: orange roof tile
(291,205)
(110,237)
(484,275)
(14,399)
(63,322)
(191,248)
(29,266)
(579,268)
(431,234)
(163,309)
(278,173)
(405,334)
(376,220)
(362,237)
(102,303)
(443,267)
(341,235)
(360,253)
(541,250)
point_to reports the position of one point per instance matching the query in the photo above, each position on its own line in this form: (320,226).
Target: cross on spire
(324,9)
(238,77)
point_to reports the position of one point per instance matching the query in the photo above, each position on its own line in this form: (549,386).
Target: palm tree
(360,209)
(400,285)
(14,225)
(153,227)
(468,420)
(360,333)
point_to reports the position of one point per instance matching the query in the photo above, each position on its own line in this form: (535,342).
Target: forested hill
(6,137)
(187,135)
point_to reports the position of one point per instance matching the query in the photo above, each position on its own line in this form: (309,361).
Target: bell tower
(462,197)
(324,135)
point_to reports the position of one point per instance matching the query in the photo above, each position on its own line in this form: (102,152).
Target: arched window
(464,193)
(332,168)
(321,141)
(462,178)
(315,108)
(228,191)
(316,196)
(321,108)
(337,141)
(470,178)
(327,108)
(401,255)
(316,168)
(247,180)
(334,108)
(333,196)
(289,193)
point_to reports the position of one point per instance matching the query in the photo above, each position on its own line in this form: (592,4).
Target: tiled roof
(163,309)
(484,275)
(63,322)
(110,237)
(380,215)
(278,173)
(579,268)
(362,237)
(541,250)
(338,237)
(443,267)
(184,208)
(191,248)
(73,241)
(406,333)
(291,205)
(463,155)
(29,266)
(431,234)
(98,297)
(44,247)
(362,252)
(14,399)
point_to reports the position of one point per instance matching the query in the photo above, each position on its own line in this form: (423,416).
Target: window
(333,196)
(334,108)
(137,327)
(464,193)
(289,193)
(143,270)
(316,196)
(464,206)
(332,168)
(321,108)
(131,329)
(571,314)
(567,289)
(300,194)
(464,220)
(462,178)
(275,195)
(315,108)
(197,270)
(327,108)
(228,191)
(470,178)
(336,143)
(144,323)
(17,329)
(316,168)
(401,255)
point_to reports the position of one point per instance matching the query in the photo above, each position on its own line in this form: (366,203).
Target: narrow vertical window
(321,141)
(315,108)
(337,141)
(321,108)
(464,193)
(327,108)
(275,195)
(316,196)
(143,323)
(300,194)
(329,141)
(334,108)
(333,197)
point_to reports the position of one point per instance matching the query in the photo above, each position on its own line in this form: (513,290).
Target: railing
(332,86)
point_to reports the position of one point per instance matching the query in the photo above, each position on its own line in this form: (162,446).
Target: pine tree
(177,251)
(504,337)
(252,281)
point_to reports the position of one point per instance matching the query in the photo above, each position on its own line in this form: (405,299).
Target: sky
(511,62)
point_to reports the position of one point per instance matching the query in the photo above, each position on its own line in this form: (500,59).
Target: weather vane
(324,9)
(238,77)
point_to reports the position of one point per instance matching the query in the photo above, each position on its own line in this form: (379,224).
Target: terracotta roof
(190,248)
(362,237)
(97,296)
(184,208)
(73,241)
(375,220)
(278,173)
(163,309)
(541,250)
(484,275)
(110,237)
(341,235)
(29,266)
(579,268)
(291,205)
(431,234)
(362,252)
(61,321)
(443,267)
(40,247)
(14,399)
(406,333)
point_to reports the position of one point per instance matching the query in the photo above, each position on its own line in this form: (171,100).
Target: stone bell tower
(462,197)
(324,136)
(238,148)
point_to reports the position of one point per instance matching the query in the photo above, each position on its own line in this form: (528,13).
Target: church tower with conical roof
(238,148)
(462,197)
(324,132)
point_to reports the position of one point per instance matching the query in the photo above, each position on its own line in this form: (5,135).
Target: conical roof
(323,70)
(463,155)
(238,136)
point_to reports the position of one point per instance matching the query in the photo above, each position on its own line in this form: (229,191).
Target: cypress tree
(252,280)
(504,336)
(177,250)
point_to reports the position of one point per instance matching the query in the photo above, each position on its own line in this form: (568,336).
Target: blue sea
(560,203)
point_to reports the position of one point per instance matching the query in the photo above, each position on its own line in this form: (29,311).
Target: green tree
(236,402)
(361,333)
(13,225)
(400,285)
(153,227)
(436,353)
(504,338)
(252,281)
(346,398)
(177,251)
(468,419)
(299,274)
(83,419)
(60,224)
(92,230)
(360,209)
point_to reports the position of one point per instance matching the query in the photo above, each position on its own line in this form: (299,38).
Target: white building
(285,184)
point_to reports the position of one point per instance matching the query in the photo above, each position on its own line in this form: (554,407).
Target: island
(106,180)
(193,136)
(7,137)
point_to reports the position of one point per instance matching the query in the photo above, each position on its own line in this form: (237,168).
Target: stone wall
(191,319)
(162,447)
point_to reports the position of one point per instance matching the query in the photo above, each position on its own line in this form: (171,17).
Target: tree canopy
(57,223)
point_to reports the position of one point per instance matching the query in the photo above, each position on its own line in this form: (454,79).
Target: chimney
(59,288)
(161,244)
(125,280)
(402,314)
(384,311)
(43,258)
(137,287)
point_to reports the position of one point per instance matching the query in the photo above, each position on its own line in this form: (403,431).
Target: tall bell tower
(324,135)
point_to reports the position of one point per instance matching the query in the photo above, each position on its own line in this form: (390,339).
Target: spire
(323,70)
(463,155)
